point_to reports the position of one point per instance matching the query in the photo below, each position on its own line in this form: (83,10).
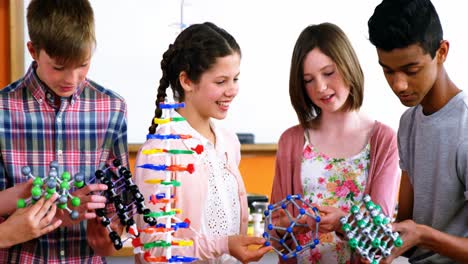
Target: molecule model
(273,232)
(165,174)
(124,194)
(369,231)
(54,183)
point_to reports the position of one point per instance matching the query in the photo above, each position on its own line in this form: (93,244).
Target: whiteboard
(132,35)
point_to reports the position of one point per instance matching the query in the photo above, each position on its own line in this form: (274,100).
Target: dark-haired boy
(432,136)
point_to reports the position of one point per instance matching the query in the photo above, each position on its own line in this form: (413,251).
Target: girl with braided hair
(202,69)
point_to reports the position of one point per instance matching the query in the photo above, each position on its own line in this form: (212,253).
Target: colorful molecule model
(284,240)
(164,177)
(54,183)
(369,231)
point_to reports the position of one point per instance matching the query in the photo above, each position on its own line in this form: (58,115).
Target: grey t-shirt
(434,151)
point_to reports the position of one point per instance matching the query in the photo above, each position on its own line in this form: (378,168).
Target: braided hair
(194,51)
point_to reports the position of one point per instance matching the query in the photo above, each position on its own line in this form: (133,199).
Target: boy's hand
(23,190)
(410,235)
(98,236)
(88,203)
(10,196)
(239,248)
(30,222)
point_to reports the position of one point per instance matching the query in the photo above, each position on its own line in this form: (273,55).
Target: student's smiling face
(323,82)
(212,95)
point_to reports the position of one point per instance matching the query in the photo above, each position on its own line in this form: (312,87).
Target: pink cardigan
(191,196)
(384,173)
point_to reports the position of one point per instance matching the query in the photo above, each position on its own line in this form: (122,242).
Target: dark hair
(63,29)
(194,51)
(401,23)
(332,41)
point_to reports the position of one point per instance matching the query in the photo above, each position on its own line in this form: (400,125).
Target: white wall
(133,34)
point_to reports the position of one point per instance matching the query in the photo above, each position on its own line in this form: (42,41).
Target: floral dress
(337,182)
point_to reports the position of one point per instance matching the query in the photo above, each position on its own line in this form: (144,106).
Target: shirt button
(60,152)
(40,101)
(62,253)
(59,119)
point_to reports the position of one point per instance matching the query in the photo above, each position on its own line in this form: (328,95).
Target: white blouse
(222,207)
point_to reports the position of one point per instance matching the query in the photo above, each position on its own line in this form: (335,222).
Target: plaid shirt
(86,132)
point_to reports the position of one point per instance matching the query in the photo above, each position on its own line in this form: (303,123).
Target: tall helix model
(165,177)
